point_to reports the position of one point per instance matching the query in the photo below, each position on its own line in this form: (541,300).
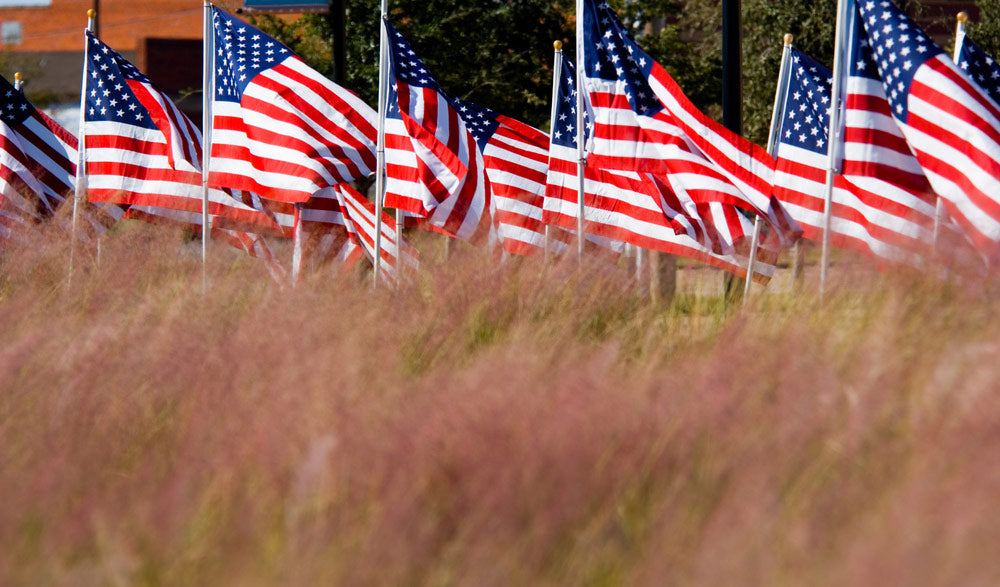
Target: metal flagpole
(772,147)
(297,246)
(18,81)
(383,89)
(208,97)
(81,153)
(557,64)
(580,131)
(846,13)
(939,212)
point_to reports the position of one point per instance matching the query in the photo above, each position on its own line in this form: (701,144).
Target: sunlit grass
(488,424)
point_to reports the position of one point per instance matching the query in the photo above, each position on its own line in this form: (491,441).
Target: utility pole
(732,100)
(338,30)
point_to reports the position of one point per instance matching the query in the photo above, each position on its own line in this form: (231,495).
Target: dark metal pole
(732,100)
(732,94)
(97,20)
(338,29)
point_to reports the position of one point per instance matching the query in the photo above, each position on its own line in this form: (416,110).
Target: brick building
(43,39)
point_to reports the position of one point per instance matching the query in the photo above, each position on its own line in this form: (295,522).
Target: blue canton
(899,48)
(862,62)
(564,126)
(109,97)
(406,66)
(981,68)
(16,109)
(241,52)
(611,54)
(806,118)
(481,121)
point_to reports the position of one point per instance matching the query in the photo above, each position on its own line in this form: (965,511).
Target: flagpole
(772,146)
(557,64)
(383,88)
(297,245)
(18,81)
(81,146)
(208,98)
(845,22)
(939,212)
(580,134)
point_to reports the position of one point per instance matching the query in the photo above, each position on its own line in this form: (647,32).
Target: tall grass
(485,424)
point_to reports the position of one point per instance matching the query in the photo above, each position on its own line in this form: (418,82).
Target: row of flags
(908,169)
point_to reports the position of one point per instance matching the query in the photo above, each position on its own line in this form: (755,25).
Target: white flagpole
(939,212)
(383,89)
(297,247)
(580,130)
(18,81)
(208,97)
(846,14)
(81,154)
(772,146)
(557,64)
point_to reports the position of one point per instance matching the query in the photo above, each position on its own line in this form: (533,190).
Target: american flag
(434,168)
(279,128)
(950,124)
(638,208)
(142,150)
(322,237)
(883,206)
(37,156)
(38,166)
(644,123)
(338,224)
(516,157)
(980,67)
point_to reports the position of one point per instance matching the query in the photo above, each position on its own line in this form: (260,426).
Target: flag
(38,166)
(338,225)
(37,156)
(882,205)
(516,157)
(141,149)
(280,128)
(979,66)
(950,124)
(633,207)
(433,166)
(321,235)
(644,123)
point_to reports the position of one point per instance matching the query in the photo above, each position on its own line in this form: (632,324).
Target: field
(484,425)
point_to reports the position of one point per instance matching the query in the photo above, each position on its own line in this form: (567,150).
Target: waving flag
(142,150)
(279,128)
(883,206)
(434,168)
(950,124)
(338,224)
(38,166)
(516,157)
(37,156)
(644,123)
(980,67)
(632,207)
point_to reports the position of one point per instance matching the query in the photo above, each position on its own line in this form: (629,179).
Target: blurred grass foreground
(488,424)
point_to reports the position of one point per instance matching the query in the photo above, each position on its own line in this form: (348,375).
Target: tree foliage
(498,53)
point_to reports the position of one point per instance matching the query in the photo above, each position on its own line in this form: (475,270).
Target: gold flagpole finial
(17,76)
(962,16)
(91,14)
(557,45)
(789,37)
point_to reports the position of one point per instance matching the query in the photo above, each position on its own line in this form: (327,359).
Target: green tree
(492,52)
